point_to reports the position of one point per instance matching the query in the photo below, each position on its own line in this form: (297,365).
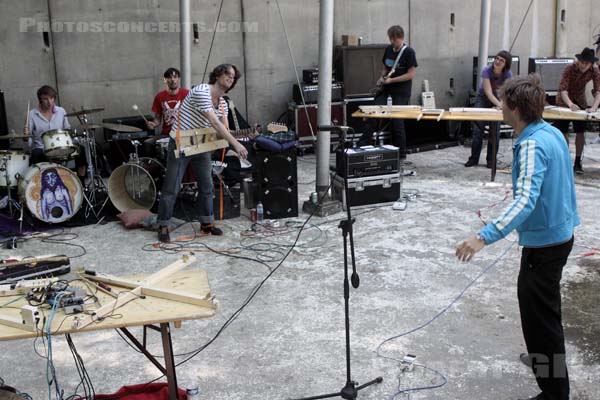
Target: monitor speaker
(276,179)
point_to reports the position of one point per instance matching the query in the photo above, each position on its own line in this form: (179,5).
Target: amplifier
(367,190)
(310,76)
(302,124)
(550,71)
(311,93)
(362,162)
(128,135)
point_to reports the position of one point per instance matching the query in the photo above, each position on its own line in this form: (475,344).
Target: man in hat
(571,94)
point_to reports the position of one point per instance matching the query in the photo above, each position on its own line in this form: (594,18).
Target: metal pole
(324,105)
(560,35)
(185,43)
(484,34)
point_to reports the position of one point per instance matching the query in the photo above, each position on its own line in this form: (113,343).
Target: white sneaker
(597,140)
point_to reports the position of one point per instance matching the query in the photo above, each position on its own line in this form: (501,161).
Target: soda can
(253,215)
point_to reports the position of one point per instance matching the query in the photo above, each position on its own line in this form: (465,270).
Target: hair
(170,72)
(46,91)
(221,70)
(507,59)
(395,31)
(526,94)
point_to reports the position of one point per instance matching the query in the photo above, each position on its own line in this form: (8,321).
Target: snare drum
(51,192)
(58,144)
(135,185)
(13,165)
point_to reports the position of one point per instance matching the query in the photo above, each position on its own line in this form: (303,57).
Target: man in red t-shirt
(165,107)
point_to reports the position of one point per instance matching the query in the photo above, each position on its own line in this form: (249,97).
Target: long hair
(507,59)
(222,70)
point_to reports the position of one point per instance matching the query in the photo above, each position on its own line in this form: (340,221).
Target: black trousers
(538,290)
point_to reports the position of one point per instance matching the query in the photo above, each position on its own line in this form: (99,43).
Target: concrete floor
(289,341)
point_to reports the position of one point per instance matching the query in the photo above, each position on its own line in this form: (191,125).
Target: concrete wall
(117,69)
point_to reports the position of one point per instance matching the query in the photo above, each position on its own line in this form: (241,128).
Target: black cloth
(407,61)
(481,101)
(538,289)
(563,125)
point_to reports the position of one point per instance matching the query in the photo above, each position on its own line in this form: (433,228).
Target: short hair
(507,59)
(526,94)
(46,91)
(221,70)
(395,31)
(170,72)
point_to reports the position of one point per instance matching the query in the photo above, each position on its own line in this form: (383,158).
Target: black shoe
(577,169)
(163,234)
(525,359)
(489,164)
(470,163)
(210,229)
(538,397)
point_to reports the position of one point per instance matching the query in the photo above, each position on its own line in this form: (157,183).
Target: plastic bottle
(259,212)
(389,100)
(192,391)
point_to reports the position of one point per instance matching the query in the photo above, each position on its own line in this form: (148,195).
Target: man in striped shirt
(544,213)
(202,108)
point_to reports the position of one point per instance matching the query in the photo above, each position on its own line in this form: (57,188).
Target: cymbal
(14,136)
(120,128)
(83,112)
(89,126)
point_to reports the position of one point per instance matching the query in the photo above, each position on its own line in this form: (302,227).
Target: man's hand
(574,107)
(467,249)
(592,109)
(151,124)
(26,130)
(240,150)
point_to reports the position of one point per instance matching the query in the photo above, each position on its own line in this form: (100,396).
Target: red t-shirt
(166,105)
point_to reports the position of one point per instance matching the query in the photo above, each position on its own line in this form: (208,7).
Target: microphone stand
(350,390)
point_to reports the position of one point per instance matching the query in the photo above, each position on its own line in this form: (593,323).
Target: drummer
(45,117)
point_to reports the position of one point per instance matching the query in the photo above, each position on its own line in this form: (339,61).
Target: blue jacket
(544,209)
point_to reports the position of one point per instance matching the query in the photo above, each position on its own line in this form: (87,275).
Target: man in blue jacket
(544,213)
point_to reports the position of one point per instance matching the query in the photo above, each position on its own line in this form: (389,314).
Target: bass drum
(135,186)
(51,192)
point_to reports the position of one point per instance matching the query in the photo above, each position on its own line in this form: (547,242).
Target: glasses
(498,58)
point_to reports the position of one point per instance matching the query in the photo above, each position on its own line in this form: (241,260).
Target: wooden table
(146,312)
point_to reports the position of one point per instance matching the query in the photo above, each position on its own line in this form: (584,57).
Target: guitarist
(399,68)
(202,108)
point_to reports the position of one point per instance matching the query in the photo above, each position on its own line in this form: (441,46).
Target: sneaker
(163,234)
(578,169)
(597,140)
(210,229)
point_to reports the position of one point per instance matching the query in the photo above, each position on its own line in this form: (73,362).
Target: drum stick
(27,116)
(136,108)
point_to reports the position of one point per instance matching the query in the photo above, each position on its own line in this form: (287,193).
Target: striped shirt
(199,101)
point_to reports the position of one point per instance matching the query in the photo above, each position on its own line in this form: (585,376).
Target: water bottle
(389,100)
(259,212)
(192,391)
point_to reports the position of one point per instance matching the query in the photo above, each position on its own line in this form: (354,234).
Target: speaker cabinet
(359,67)
(514,67)
(4,144)
(276,178)
(550,71)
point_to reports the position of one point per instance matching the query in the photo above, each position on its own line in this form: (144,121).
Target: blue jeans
(483,102)
(202,169)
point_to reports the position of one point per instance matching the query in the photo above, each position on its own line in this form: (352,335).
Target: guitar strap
(404,46)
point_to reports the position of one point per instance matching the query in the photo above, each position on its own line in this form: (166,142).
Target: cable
(520,26)
(212,41)
(420,388)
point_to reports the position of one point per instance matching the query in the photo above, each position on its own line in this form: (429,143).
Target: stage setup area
(264,317)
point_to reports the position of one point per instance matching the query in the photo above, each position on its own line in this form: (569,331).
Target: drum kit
(53,193)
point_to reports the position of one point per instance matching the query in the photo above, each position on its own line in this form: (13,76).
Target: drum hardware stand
(12,204)
(350,390)
(217,171)
(95,183)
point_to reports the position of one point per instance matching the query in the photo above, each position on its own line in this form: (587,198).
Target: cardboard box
(349,40)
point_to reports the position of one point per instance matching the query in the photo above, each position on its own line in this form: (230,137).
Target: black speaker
(4,144)
(359,67)
(514,68)
(276,178)
(550,71)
